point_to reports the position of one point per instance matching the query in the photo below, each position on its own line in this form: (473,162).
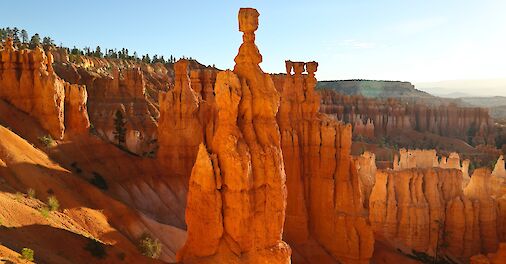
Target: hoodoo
(157,160)
(240,176)
(324,201)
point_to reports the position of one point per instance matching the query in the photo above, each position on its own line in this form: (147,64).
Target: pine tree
(146,58)
(47,41)
(24,36)
(98,52)
(15,35)
(75,51)
(34,41)
(119,128)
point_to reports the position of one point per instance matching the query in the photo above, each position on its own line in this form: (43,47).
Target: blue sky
(418,41)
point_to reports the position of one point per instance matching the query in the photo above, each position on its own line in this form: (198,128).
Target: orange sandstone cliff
(424,205)
(324,201)
(29,83)
(241,177)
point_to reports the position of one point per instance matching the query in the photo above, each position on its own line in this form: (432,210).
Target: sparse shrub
(18,196)
(44,211)
(30,192)
(53,203)
(150,247)
(27,254)
(47,140)
(99,181)
(96,249)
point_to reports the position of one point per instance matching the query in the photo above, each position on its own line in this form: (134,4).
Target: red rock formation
(493,258)
(324,202)
(118,85)
(179,132)
(427,158)
(498,179)
(244,178)
(425,208)
(76,112)
(366,167)
(28,81)
(392,115)
(479,189)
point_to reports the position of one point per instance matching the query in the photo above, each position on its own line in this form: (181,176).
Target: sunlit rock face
(424,208)
(29,83)
(427,158)
(240,174)
(324,198)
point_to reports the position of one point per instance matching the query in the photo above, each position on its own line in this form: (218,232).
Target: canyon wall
(187,114)
(424,209)
(117,100)
(130,87)
(28,82)
(389,116)
(433,206)
(241,178)
(498,257)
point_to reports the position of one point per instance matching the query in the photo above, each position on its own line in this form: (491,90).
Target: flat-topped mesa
(29,83)
(242,177)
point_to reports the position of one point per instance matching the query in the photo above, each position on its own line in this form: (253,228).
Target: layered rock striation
(424,209)
(241,177)
(388,116)
(28,82)
(324,201)
(132,88)
(424,205)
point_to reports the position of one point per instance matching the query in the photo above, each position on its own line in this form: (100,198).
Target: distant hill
(492,101)
(374,88)
(407,92)
(496,104)
(466,88)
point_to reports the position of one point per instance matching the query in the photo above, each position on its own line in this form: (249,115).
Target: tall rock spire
(243,169)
